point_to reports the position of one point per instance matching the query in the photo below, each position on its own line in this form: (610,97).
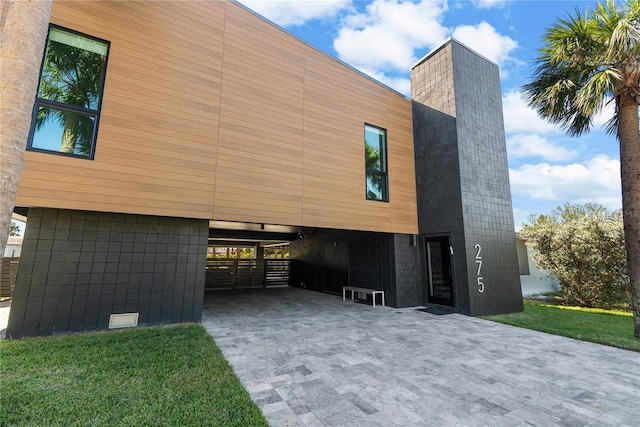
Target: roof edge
(237,3)
(445,43)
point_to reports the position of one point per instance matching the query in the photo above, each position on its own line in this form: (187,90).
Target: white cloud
(596,180)
(401,84)
(519,118)
(386,35)
(484,39)
(489,4)
(296,12)
(531,145)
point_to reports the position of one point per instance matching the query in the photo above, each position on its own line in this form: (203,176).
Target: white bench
(355,289)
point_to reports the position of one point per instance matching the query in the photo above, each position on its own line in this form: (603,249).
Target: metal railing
(233,273)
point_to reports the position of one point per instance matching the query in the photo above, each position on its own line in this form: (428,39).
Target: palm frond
(611,126)
(600,87)
(586,60)
(619,30)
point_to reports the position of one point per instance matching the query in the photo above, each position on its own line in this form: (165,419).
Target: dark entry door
(336,267)
(439,272)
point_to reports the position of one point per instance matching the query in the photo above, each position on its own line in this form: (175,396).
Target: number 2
(479,249)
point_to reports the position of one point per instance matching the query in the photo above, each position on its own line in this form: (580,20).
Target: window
(375,156)
(67,106)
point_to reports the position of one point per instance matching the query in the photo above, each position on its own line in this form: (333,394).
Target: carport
(246,255)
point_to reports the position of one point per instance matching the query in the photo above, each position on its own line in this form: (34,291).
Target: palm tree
(374,165)
(71,76)
(586,62)
(23,25)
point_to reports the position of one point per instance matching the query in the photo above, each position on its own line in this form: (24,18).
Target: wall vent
(124,320)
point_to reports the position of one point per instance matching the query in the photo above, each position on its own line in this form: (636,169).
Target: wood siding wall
(211,112)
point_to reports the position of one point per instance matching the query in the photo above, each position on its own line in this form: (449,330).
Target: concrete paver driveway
(310,359)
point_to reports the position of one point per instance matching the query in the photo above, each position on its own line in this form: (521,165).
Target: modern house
(14,245)
(162,130)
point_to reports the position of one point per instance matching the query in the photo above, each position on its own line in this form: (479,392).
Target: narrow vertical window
(375,155)
(67,106)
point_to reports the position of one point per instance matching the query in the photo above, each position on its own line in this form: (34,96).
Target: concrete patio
(310,359)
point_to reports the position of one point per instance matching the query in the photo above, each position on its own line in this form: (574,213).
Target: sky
(384,38)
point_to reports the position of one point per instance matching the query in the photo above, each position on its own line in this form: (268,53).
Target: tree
(23,25)
(583,247)
(14,230)
(375,181)
(586,62)
(71,76)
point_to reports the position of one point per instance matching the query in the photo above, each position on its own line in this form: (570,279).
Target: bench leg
(381,298)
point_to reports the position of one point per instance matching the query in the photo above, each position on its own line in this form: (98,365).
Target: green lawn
(160,376)
(614,328)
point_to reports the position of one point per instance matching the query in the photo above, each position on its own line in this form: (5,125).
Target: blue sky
(383,38)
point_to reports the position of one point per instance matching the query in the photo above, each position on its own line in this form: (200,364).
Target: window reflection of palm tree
(373,163)
(71,76)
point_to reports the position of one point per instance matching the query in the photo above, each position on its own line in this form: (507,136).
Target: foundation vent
(124,320)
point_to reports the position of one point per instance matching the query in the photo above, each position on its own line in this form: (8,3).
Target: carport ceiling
(229,231)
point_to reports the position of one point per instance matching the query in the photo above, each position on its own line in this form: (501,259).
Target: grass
(160,376)
(176,375)
(610,327)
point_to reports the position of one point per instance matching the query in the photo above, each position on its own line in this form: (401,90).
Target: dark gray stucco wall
(462,175)
(77,268)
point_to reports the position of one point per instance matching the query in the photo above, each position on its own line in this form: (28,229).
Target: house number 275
(479,262)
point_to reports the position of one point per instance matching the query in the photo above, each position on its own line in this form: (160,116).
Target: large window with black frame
(375,153)
(69,97)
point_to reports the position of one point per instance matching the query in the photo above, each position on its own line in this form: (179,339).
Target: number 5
(480,285)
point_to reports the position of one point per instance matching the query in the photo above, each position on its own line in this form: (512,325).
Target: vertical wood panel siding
(211,112)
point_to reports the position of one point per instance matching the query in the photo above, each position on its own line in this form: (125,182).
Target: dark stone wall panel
(307,261)
(80,267)
(372,263)
(376,261)
(462,175)
(410,291)
(440,209)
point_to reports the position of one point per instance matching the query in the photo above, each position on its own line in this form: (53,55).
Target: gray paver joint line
(307,359)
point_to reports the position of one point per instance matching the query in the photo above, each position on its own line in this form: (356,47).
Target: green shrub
(583,247)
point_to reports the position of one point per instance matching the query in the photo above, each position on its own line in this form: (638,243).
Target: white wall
(532,279)
(14,246)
